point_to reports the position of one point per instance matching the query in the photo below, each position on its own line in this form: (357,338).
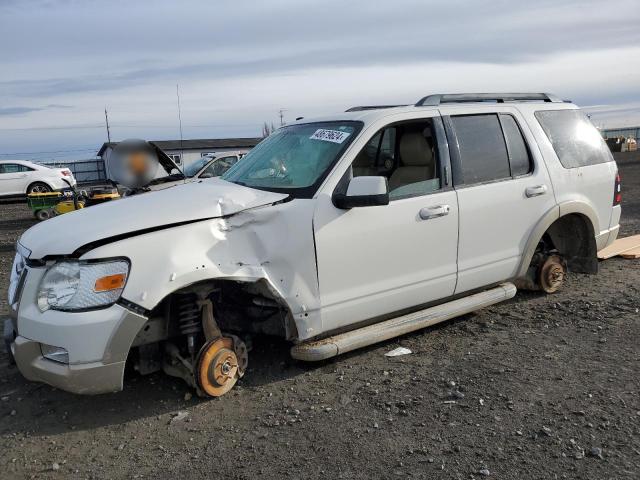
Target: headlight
(75,285)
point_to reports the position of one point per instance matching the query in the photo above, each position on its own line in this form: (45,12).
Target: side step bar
(362,337)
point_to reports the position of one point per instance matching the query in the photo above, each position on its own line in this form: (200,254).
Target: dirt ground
(540,387)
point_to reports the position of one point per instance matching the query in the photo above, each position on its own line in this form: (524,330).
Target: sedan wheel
(39,187)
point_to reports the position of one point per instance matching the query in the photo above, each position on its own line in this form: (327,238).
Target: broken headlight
(75,285)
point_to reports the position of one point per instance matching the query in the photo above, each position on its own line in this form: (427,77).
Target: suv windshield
(195,167)
(294,159)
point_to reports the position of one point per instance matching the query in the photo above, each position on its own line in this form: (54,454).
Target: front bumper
(97,342)
(108,353)
(85,378)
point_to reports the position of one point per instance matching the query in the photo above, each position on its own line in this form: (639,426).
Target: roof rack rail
(371,107)
(435,100)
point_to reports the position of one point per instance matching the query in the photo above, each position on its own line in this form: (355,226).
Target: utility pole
(281,114)
(106,119)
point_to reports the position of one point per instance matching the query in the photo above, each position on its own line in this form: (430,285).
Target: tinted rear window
(518,153)
(574,138)
(483,152)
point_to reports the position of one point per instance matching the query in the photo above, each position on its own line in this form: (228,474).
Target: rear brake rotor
(552,274)
(217,367)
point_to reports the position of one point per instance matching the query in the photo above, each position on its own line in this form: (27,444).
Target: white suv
(334,233)
(19,177)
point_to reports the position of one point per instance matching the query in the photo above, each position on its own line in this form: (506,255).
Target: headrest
(415,150)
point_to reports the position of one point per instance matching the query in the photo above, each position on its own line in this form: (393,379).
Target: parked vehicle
(333,233)
(19,178)
(214,164)
(209,166)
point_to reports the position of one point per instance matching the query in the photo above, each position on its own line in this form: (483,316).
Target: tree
(267,129)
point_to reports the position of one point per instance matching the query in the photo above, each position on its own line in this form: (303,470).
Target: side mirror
(363,192)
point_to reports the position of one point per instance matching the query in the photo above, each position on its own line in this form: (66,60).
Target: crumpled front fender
(273,243)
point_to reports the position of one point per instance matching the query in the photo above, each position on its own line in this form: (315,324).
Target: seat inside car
(417,163)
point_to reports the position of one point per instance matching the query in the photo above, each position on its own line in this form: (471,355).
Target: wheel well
(573,237)
(38,181)
(240,307)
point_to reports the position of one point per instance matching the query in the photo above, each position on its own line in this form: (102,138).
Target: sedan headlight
(76,285)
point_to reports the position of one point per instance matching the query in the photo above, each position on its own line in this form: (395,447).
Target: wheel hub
(552,274)
(218,368)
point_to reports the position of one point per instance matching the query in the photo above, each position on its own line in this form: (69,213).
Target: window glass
(386,156)
(195,167)
(417,170)
(516,146)
(483,152)
(219,167)
(12,168)
(294,157)
(365,162)
(574,138)
(405,155)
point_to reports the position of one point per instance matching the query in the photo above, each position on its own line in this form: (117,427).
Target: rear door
(503,190)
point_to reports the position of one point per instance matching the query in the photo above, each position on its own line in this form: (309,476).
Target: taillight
(66,173)
(617,191)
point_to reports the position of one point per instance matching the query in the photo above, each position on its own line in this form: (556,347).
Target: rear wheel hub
(552,274)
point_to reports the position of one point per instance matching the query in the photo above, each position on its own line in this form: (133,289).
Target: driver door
(374,261)
(13,179)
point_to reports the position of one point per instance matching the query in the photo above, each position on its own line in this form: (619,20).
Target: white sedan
(19,177)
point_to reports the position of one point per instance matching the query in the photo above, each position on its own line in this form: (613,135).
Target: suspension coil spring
(188,314)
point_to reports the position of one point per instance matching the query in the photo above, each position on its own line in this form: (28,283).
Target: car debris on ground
(396,352)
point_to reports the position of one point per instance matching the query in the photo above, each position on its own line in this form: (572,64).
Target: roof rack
(371,107)
(435,100)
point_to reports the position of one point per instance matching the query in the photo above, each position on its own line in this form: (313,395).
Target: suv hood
(190,202)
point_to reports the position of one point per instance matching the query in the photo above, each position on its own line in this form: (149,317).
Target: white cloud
(238,63)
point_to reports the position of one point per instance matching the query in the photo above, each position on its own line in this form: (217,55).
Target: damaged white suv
(333,233)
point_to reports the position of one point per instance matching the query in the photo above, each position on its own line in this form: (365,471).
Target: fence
(84,171)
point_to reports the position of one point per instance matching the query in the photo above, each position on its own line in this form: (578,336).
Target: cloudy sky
(238,63)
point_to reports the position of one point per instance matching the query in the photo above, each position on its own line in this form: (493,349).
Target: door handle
(535,191)
(434,211)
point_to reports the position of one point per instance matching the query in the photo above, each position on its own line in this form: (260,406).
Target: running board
(378,332)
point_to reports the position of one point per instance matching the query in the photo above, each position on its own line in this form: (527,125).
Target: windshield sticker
(334,136)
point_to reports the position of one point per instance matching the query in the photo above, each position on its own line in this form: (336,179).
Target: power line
(52,151)
(125,125)
(69,127)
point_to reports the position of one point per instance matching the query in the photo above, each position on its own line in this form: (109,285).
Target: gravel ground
(540,387)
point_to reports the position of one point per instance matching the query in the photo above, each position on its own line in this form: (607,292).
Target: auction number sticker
(334,136)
